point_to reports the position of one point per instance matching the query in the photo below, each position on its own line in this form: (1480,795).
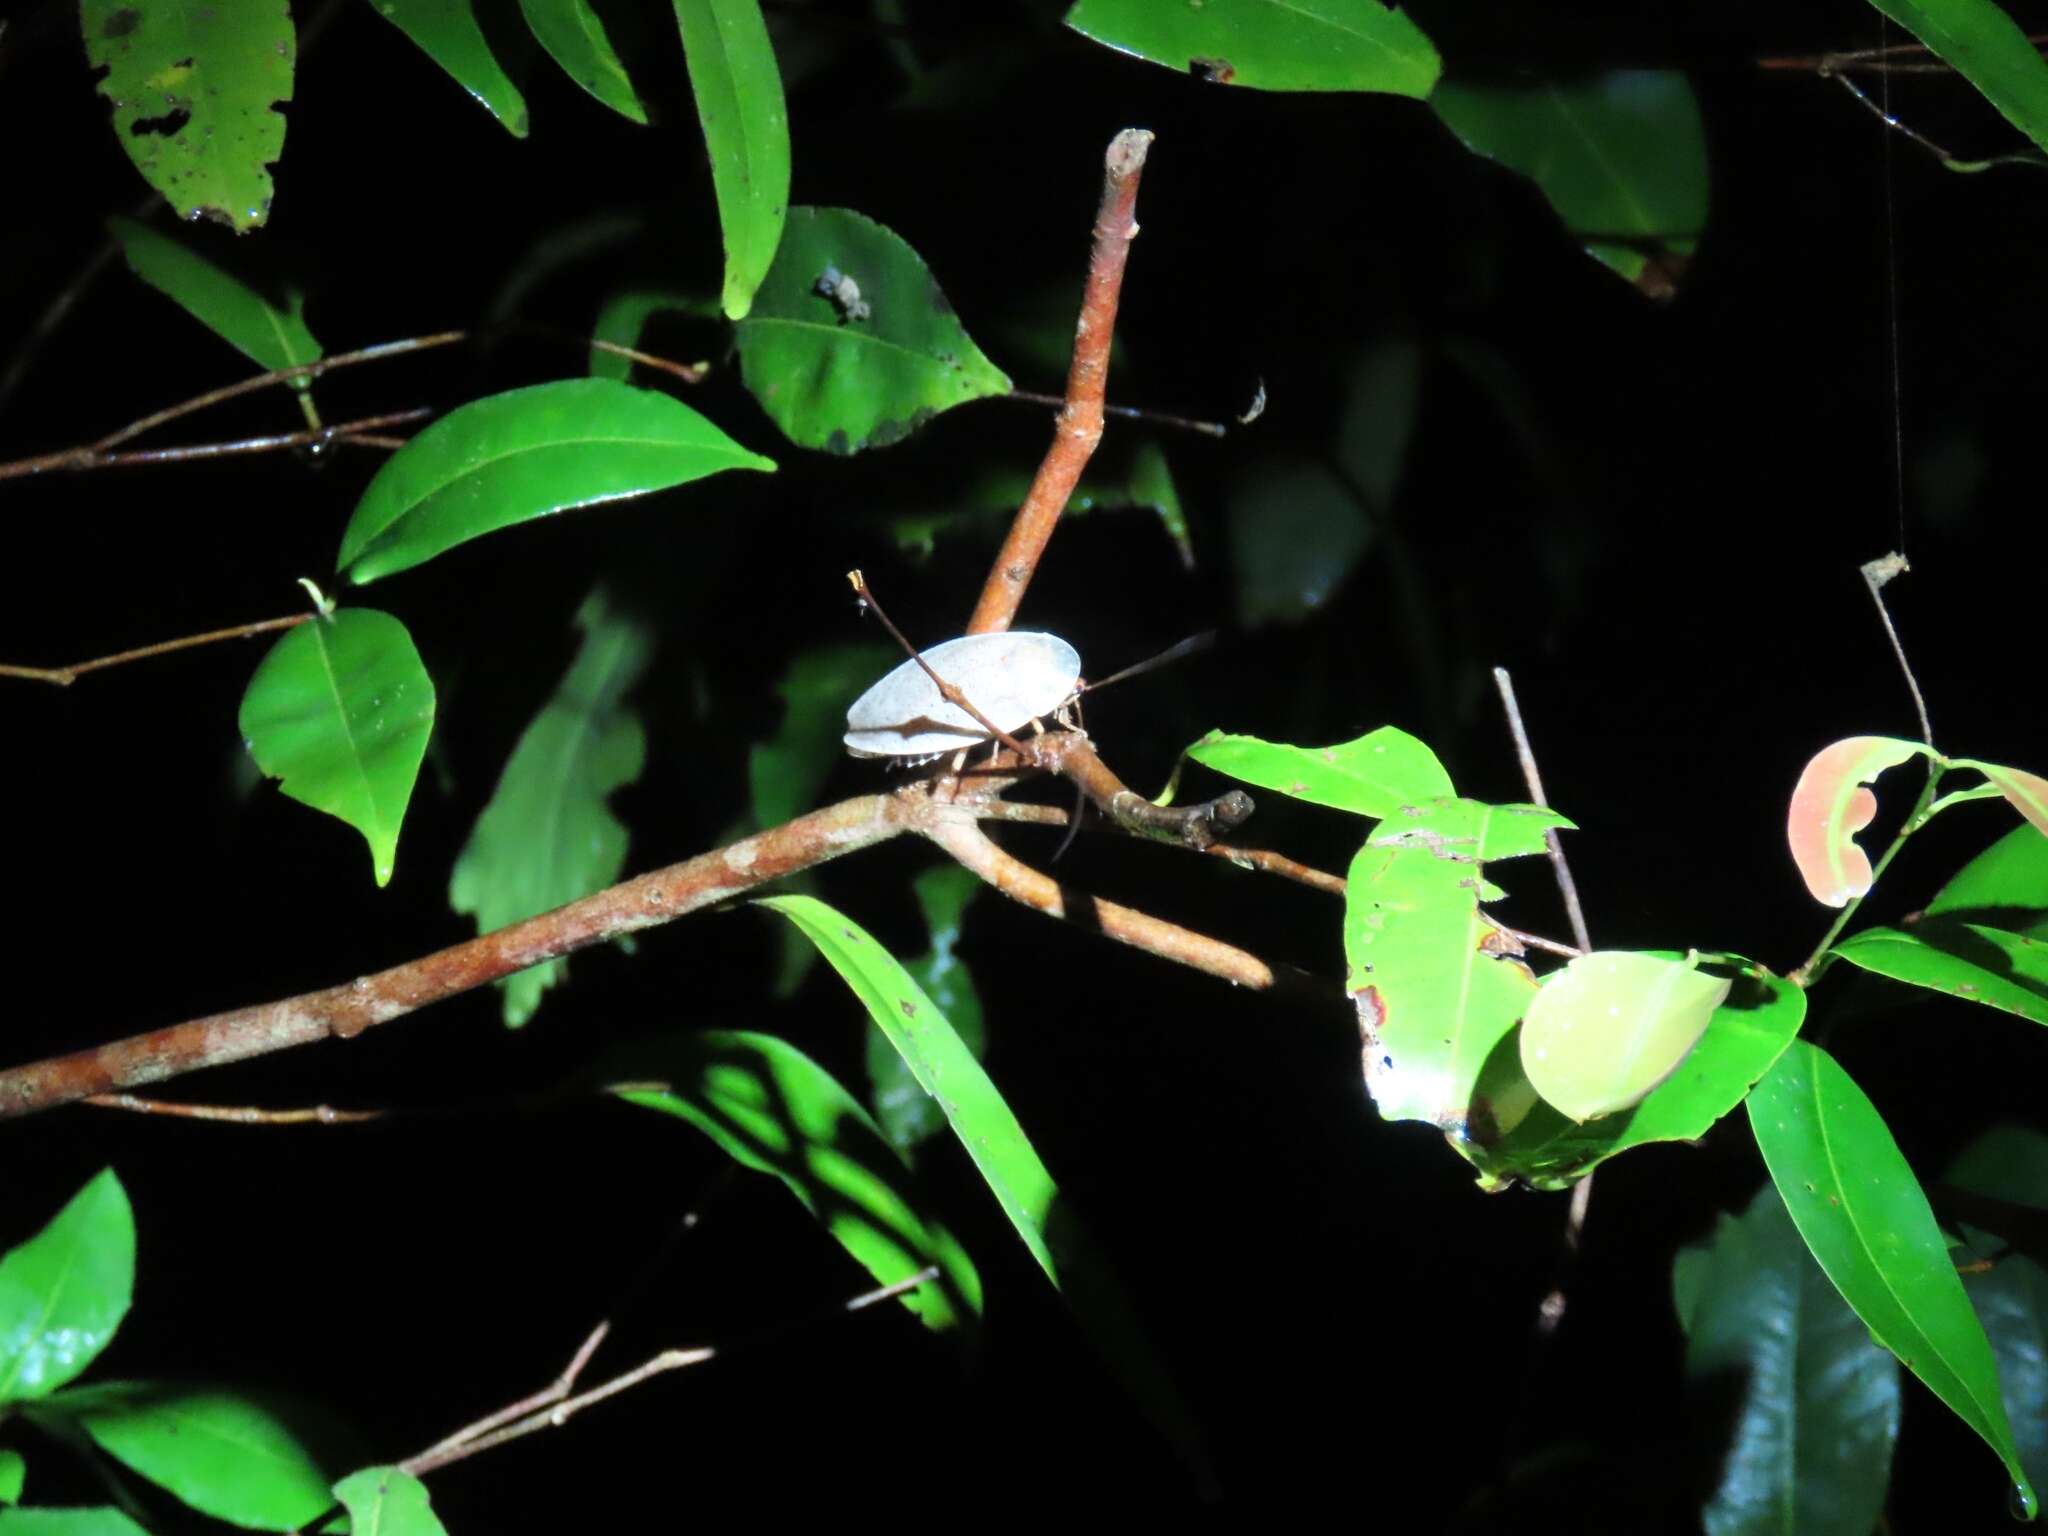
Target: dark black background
(1659,535)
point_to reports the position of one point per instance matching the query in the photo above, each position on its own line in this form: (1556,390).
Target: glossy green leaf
(1470,830)
(387,1501)
(269,336)
(2005,886)
(446,31)
(866,366)
(340,710)
(65,1291)
(524,454)
(773,1109)
(1861,1211)
(1749,1031)
(195,90)
(739,101)
(785,772)
(1296,533)
(2025,792)
(240,1457)
(1983,43)
(623,321)
(13,1474)
(1050,1230)
(1621,156)
(2010,1163)
(548,837)
(1271,45)
(97,1520)
(575,39)
(1436,987)
(1611,1025)
(907,1113)
(1376,775)
(1977,964)
(1812,1402)
(1830,805)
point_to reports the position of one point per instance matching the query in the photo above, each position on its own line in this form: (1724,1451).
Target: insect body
(1013,678)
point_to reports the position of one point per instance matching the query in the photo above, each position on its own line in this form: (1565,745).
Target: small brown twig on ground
(234,1114)
(1078,427)
(64,677)
(553,1407)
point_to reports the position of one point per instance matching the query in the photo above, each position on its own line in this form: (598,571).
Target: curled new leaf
(1830,806)
(1610,1027)
(2027,792)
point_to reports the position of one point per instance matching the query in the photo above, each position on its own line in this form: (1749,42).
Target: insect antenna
(1171,654)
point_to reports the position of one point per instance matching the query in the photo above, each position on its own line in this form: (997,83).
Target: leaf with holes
(1271,45)
(1862,1213)
(195,90)
(2001,970)
(65,1291)
(1982,43)
(548,836)
(1830,806)
(528,453)
(446,31)
(1470,830)
(850,344)
(773,1109)
(270,336)
(738,88)
(1376,775)
(575,39)
(1807,1405)
(1621,157)
(340,711)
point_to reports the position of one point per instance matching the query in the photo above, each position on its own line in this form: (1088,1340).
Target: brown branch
(1877,59)
(689,373)
(1265,861)
(1078,427)
(1566,886)
(1071,755)
(345,1011)
(80,459)
(234,1114)
(64,677)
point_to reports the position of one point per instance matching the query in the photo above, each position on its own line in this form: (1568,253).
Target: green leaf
(101,1520)
(1621,156)
(548,837)
(623,320)
(65,1291)
(575,39)
(237,1456)
(1008,1163)
(1296,534)
(1748,1032)
(1979,965)
(1862,1212)
(1436,987)
(446,31)
(1470,830)
(1612,1025)
(524,454)
(739,102)
(13,1474)
(773,1109)
(1815,1403)
(2005,886)
(1986,47)
(1830,806)
(784,773)
(387,1501)
(267,335)
(867,368)
(194,89)
(2010,1163)
(340,710)
(907,1113)
(1376,775)
(2025,792)
(1271,45)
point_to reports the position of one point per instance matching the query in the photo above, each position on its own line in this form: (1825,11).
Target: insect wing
(1012,678)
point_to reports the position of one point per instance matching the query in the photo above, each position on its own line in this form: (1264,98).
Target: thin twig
(235,1114)
(1078,427)
(1129,413)
(1566,886)
(689,373)
(64,677)
(80,459)
(1267,862)
(950,692)
(1875,59)
(1877,574)
(1952,162)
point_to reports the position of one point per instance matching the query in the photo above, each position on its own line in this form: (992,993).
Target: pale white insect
(1013,678)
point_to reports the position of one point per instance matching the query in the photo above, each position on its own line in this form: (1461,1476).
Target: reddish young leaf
(2028,792)
(1830,806)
